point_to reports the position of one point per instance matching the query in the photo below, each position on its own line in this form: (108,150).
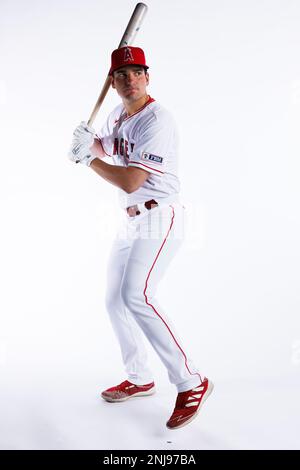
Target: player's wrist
(89,159)
(97,148)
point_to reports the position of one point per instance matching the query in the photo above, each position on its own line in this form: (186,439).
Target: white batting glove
(83,139)
(84,133)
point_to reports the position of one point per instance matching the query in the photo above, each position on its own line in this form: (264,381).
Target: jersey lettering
(121,147)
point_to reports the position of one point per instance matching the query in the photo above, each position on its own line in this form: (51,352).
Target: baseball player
(141,140)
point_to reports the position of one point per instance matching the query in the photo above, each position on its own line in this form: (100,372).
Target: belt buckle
(132,211)
(150,204)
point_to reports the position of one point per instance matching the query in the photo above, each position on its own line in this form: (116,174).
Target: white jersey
(148,140)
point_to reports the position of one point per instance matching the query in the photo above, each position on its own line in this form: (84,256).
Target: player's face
(130,82)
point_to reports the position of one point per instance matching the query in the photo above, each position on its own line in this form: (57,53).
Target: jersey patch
(152,158)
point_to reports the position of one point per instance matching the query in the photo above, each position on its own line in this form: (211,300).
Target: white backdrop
(229,71)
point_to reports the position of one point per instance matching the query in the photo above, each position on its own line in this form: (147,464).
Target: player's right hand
(84,134)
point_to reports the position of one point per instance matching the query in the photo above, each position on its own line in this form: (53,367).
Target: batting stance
(140,137)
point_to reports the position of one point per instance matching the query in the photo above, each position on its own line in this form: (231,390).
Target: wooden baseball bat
(127,39)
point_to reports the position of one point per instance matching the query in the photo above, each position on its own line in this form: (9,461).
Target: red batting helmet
(127,55)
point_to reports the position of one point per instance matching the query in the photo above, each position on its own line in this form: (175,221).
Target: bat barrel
(134,24)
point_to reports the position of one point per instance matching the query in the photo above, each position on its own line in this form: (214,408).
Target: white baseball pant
(143,249)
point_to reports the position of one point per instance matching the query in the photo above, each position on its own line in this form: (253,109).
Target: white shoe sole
(207,393)
(139,394)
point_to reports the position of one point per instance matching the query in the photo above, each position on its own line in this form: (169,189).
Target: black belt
(132,211)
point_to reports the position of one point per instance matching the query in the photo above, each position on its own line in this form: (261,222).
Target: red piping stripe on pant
(153,308)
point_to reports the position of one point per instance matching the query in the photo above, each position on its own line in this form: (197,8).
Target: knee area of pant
(131,295)
(112,300)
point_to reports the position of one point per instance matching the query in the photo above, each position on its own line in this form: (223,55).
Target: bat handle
(100,100)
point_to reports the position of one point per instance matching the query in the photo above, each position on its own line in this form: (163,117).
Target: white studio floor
(66,413)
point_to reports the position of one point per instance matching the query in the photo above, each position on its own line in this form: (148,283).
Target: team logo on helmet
(128,55)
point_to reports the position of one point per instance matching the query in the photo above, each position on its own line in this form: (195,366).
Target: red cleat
(188,404)
(127,390)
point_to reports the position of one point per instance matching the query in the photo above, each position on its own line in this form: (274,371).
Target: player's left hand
(83,139)
(80,153)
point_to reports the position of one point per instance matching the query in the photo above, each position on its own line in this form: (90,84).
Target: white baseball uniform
(146,243)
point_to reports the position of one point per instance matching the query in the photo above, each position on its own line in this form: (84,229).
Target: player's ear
(147,78)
